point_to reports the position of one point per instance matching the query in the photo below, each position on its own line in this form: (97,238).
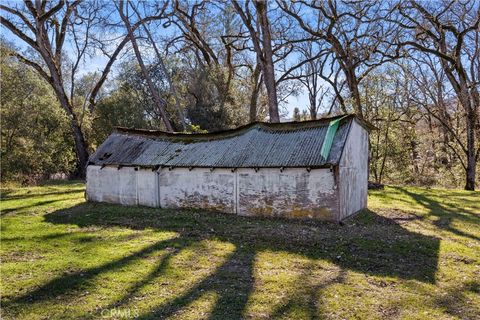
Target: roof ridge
(281,126)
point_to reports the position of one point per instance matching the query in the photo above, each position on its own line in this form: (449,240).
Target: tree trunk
(352,83)
(81,150)
(254,95)
(470,172)
(312,97)
(268,67)
(151,87)
(253,106)
(469,102)
(56,82)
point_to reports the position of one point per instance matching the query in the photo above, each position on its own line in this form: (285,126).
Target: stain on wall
(197,188)
(293,193)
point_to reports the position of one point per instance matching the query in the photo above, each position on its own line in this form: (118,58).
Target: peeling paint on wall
(294,193)
(197,188)
(292,178)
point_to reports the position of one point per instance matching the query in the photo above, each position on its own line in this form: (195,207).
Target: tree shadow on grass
(70,283)
(5,195)
(232,281)
(311,289)
(369,243)
(7,211)
(446,213)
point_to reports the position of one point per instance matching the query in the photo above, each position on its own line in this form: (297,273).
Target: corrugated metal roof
(295,144)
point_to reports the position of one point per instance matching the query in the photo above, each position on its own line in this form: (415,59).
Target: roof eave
(323,166)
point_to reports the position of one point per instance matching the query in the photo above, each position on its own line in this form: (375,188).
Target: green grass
(413,255)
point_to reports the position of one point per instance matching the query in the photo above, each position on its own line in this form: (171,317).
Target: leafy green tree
(205,106)
(35,136)
(121,108)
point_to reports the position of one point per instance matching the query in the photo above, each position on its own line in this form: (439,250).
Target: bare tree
(262,43)
(212,51)
(450,33)
(159,102)
(310,77)
(438,99)
(354,32)
(187,20)
(232,50)
(172,86)
(44,26)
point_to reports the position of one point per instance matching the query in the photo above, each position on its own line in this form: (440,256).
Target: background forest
(73,70)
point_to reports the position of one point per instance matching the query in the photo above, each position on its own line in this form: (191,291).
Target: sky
(97,63)
(300,101)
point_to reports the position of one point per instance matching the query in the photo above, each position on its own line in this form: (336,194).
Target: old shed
(313,169)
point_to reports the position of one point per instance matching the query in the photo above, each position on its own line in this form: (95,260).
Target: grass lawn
(415,254)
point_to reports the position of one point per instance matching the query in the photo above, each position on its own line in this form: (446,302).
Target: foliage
(413,255)
(411,68)
(129,102)
(410,146)
(196,129)
(209,104)
(126,105)
(36,140)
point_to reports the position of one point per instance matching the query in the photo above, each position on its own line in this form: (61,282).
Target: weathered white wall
(147,188)
(353,172)
(112,185)
(295,192)
(198,188)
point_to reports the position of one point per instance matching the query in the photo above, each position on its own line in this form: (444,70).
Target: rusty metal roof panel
(254,145)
